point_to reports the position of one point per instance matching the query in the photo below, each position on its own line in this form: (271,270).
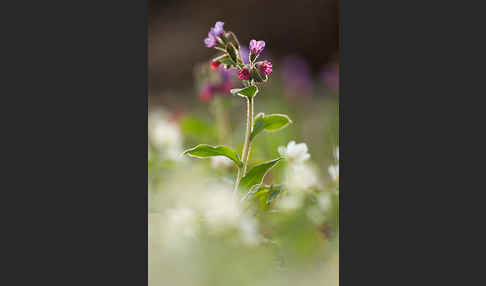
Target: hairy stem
(245,154)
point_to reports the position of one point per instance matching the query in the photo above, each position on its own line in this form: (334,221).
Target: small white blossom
(221,162)
(295,153)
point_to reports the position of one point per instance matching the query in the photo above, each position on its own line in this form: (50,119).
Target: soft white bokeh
(294,153)
(221,162)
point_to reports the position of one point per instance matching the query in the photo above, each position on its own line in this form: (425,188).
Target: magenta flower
(206,93)
(265,68)
(256,47)
(244,74)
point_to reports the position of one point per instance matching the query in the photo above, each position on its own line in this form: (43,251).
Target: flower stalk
(245,154)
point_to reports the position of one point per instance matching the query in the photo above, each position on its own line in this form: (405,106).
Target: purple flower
(244,74)
(207,93)
(296,75)
(256,47)
(215,32)
(265,68)
(211,40)
(245,55)
(218,29)
(330,76)
(227,74)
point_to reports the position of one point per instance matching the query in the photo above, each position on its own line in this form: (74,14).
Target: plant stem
(249,127)
(245,154)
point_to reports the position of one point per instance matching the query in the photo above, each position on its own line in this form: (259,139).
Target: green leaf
(205,150)
(256,174)
(257,76)
(256,188)
(249,91)
(271,122)
(232,52)
(232,39)
(274,193)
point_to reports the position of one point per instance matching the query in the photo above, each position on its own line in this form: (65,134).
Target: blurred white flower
(221,162)
(219,210)
(165,135)
(301,177)
(180,227)
(249,231)
(324,201)
(334,169)
(290,202)
(295,153)
(334,172)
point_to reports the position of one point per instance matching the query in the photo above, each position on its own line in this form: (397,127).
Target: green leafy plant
(251,74)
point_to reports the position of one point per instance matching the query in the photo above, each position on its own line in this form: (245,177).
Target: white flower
(218,207)
(324,201)
(301,177)
(221,162)
(290,202)
(165,135)
(180,227)
(295,153)
(249,230)
(334,172)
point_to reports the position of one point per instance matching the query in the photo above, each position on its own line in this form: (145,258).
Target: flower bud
(214,64)
(265,67)
(244,74)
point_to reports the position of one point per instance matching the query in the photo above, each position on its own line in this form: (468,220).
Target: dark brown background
(177,29)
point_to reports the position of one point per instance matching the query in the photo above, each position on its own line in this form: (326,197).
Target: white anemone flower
(294,153)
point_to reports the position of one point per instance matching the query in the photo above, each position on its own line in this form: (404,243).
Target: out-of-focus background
(288,235)
(306,28)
